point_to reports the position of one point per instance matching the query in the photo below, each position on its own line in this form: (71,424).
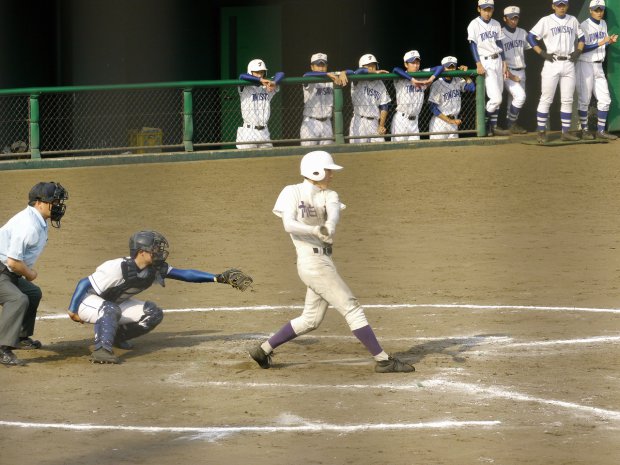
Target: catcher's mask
(52,193)
(314,164)
(149,241)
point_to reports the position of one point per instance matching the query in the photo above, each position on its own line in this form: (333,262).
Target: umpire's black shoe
(261,357)
(393,365)
(605,135)
(28,343)
(7,357)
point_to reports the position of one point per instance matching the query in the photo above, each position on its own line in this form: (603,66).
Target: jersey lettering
(562,30)
(411,89)
(513,44)
(307,211)
(451,94)
(372,93)
(323,90)
(488,35)
(595,36)
(257,97)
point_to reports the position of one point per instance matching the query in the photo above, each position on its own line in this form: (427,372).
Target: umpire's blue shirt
(23,237)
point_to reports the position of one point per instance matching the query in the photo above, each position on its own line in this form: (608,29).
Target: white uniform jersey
(594,33)
(307,204)
(256,104)
(515,44)
(367,96)
(409,98)
(558,34)
(447,95)
(318,99)
(485,36)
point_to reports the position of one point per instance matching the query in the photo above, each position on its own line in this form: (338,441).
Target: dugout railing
(180,116)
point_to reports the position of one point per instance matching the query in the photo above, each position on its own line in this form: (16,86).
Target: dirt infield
(493,269)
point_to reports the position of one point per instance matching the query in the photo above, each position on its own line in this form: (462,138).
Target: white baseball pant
(591,79)
(401,124)
(493,82)
(312,127)
(366,128)
(559,71)
(245,134)
(439,125)
(132,310)
(516,90)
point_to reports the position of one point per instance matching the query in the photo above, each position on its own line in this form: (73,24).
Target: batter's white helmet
(367,59)
(256,65)
(314,164)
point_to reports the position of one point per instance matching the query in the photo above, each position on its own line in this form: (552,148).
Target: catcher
(105,298)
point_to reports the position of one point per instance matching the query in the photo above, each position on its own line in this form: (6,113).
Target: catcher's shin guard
(153,315)
(106,325)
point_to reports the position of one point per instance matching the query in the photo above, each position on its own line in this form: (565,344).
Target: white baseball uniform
(410,99)
(559,36)
(318,107)
(255,111)
(302,207)
(447,96)
(366,97)
(485,35)
(590,75)
(515,43)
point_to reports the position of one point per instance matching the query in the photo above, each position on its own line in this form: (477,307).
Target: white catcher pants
(325,287)
(552,73)
(311,128)
(367,128)
(132,310)
(439,125)
(591,79)
(493,82)
(403,125)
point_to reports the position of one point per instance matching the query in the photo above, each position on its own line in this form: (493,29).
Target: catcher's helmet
(256,65)
(53,193)
(149,241)
(314,164)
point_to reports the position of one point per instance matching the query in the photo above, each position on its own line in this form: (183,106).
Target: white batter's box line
(227,430)
(260,308)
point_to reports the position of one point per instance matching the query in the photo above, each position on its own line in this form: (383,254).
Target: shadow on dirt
(453,347)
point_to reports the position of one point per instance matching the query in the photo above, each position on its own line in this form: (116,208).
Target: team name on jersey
(372,93)
(324,91)
(307,211)
(411,89)
(488,35)
(562,30)
(514,44)
(257,97)
(596,36)
(455,93)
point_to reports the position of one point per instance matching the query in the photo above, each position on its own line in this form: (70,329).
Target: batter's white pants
(552,73)
(401,124)
(311,128)
(366,128)
(132,310)
(493,82)
(591,80)
(516,90)
(325,287)
(250,134)
(439,125)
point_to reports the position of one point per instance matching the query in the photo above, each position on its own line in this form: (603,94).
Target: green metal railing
(179,116)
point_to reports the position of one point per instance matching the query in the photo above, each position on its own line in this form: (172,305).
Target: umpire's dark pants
(20,300)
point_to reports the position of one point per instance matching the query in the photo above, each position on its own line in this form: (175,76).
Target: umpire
(22,239)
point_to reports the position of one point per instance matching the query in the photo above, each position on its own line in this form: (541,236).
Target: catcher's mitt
(236,278)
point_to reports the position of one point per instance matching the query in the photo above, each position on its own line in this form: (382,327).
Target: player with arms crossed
(559,32)
(515,43)
(319,102)
(590,75)
(105,298)
(445,100)
(256,105)
(310,212)
(370,104)
(485,35)
(410,96)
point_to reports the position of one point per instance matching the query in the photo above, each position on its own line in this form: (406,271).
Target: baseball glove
(236,278)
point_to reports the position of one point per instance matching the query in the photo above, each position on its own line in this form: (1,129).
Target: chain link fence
(95,121)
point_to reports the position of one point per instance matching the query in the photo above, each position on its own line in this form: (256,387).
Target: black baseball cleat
(261,357)
(516,129)
(102,355)
(541,137)
(605,135)
(28,343)
(586,135)
(393,365)
(497,131)
(8,358)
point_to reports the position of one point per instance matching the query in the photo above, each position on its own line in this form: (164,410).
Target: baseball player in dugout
(590,75)
(515,43)
(410,97)
(485,37)
(370,104)
(105,298)
(319,102)
(559,32)
(310,213)
(22,240)
(445,100)
(256,105)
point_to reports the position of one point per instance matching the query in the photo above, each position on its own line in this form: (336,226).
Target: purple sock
(367,337)
(285,334)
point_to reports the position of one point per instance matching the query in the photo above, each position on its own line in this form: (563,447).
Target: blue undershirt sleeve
(191,276)
(83,286)
(501,47)
(250,78)
(278,77)
(384,107)
(437,70)
(589,48)
(315,74)
(402,73)
(474,51)
(470,87)
(435,109)
(361,71)
(531,38)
